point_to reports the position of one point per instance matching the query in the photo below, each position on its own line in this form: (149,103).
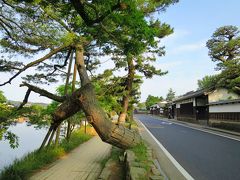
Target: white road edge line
(170,157)
(206,131)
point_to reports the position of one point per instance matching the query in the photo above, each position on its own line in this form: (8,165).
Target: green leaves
(151,100)
(224,48)
(170,95)
(229,78)
(208,82)
(69,38)
(224,45)
(5,122)
(2,97)
(151,6)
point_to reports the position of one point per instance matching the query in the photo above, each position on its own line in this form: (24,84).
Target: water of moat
(30,138)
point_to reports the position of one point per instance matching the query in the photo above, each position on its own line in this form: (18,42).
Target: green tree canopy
(170,95)
(84,30)
(224,46)
(151,100)
(2,97)
(5,122)
(207,82)
(141,105)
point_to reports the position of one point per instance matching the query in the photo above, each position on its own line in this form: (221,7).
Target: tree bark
(43,92)
(85,98)
(123,113)
(73,89)
(65,93)
(128,89)
(46,137)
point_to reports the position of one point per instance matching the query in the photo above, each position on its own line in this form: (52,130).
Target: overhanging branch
(33,63)
(25,99)
(43,92)
(80,8)
(56,66)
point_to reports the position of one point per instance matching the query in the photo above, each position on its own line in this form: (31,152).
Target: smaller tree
(170,95)
(2,97)
(230,78)
(151,100)
(141,105)
(5,111)
(5,122)
(224,46)
(207,82)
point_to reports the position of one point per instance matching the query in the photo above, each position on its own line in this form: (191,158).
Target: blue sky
(186,59)
(186,56)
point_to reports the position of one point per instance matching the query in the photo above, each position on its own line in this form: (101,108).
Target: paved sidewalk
(83,163)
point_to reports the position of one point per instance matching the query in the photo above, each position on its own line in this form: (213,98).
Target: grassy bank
(141,154)
(24,167)
(140,151)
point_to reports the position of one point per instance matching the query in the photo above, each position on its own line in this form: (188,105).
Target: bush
(140,151)
(141,154)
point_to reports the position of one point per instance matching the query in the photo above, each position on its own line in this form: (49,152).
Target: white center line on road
(203,130)
(170,157)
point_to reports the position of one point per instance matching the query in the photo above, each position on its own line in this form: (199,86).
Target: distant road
(203,155)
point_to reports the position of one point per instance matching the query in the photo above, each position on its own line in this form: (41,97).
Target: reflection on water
(29,140)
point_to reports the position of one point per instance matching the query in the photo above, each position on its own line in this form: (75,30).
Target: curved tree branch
(43,92)
(25,99)
(81,65)
(56,66)
(13,22)
(65,62)
(80,8)
(33,63)
(58,20)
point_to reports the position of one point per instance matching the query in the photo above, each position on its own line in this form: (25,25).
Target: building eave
(191,95)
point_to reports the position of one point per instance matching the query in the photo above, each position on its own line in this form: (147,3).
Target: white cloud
(178,43)
(196,46)
(168,65)
(178,34)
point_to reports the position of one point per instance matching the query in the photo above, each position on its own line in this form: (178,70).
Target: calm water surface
(29,140)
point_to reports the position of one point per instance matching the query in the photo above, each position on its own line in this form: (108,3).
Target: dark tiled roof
(190,94)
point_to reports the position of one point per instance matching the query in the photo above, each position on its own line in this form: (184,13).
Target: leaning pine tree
(59,28)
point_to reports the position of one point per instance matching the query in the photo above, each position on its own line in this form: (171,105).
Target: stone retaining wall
(136,170)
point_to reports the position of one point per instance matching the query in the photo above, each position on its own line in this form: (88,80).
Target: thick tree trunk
(65,93)
(123,114)
(85,98)
(46,137)
(56,137)
(128,89)
(73,89)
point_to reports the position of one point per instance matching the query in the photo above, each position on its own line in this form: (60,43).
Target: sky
(186,58)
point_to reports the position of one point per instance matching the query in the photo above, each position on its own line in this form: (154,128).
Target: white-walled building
(159,108)
(224,108)
(218,107)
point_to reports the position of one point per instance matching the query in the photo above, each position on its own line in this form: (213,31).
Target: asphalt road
(203,155)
